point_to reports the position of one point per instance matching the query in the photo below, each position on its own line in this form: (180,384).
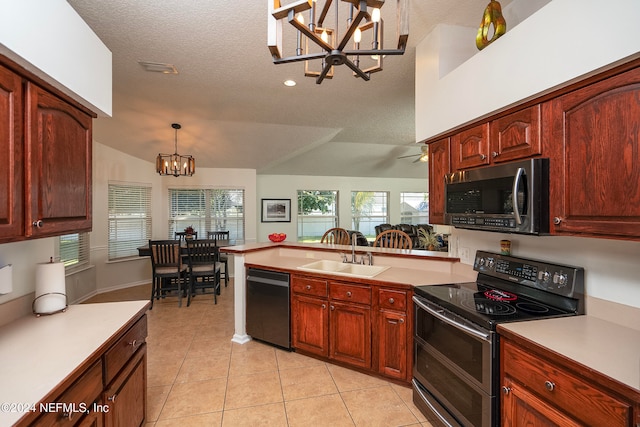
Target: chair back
(202,252)
(393,239)
(218,235)
(165,256)
(337,236)
(182,235)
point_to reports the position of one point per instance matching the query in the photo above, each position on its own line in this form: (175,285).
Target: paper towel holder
(62,310)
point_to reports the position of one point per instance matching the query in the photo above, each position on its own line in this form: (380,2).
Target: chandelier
(316,39)
(175,164)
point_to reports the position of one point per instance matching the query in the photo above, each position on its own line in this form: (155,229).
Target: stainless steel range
(456,371)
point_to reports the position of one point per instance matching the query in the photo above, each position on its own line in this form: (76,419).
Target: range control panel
(558,279)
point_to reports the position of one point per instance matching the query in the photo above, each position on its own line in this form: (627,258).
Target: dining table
(146,251)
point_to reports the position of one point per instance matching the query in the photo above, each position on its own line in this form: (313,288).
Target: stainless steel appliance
(511,197)
(268,307)
(456,369)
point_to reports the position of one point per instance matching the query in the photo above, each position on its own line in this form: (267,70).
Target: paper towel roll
(50,288)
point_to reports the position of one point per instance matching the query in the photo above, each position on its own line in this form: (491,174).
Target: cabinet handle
(112,398)
(308,287)
(133,343)
(506,390)
(482,157)
(324,306)
(494,154)
(401,320)
(391,300)
(557,220)
(38,223)
(549,385)
(67,416)
(333,308)
(349,294)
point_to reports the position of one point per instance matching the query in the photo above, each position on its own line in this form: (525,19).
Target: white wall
(49,39)
(287,186)
(563,40)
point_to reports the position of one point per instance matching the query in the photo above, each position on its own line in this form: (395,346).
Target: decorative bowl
(277,237)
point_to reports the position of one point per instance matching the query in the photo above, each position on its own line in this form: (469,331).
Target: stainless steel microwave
(509,198)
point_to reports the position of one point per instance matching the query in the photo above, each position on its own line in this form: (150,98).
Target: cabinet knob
(349,294)
(494,154)
(549,385)
(391,300)
(506,390)
(112,398)
(133,343)
(67,416)
(308,287)
(324,306)
(38,223)
(401,320)
(482,157)
(557,220)
(333,308)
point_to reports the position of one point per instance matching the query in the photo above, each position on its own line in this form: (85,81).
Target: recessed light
(289,83)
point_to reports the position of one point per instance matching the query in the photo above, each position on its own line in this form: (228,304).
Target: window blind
(129,219)
(74,251)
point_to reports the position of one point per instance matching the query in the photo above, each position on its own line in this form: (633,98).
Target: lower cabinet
(356,324)
(110,392)
(541,389)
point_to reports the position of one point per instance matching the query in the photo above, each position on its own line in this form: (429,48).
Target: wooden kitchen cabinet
(393,334)
(310,315)
(58,157)
(593,138)
(127,394)
(470,148)
(11,149)
(439,166)
(540,388)
(350,324)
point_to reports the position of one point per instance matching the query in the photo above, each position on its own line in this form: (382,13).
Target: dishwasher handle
(266,281)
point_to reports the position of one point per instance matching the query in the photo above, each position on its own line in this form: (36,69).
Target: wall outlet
(463,254)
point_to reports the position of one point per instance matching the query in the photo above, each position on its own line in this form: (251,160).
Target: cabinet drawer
(78,397)
(392,299)
(308,286)
(118,355)
(351,293)
(574,395)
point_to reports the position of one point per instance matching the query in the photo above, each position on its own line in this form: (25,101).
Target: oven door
(454,365)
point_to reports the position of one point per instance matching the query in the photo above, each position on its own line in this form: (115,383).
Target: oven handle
(514,195)
(427,401)
(463,328)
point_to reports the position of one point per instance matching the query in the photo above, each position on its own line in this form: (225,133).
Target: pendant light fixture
(175,164)
(315,39)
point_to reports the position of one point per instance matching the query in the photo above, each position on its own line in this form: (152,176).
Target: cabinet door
(593,138)
(439,166)
(392,345)
(58,154)
(520,408)
(126,396)
(310,324)
(516,136)
(470,148)
(11,146)
(350,337)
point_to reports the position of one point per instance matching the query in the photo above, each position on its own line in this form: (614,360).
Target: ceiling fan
(422,157)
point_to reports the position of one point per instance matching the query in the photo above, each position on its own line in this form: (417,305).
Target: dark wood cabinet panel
(516,136)
(58,162)
(392,344)
(127,395)
(350,337)
(11,149)
(470,148)
(439,166)
(593,137)
(310,324)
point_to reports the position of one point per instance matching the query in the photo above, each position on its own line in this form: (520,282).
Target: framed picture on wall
(276,210)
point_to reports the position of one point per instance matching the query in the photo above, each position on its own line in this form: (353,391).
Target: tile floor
(198,377)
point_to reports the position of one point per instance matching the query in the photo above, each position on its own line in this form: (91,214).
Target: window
(317,212)
(129,219)
(414,208)
(207,209)
(368,209)
(74,251)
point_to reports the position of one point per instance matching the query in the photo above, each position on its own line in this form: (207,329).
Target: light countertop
(606,347)
(39,353)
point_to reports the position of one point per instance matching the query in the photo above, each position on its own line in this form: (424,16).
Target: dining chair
(337,236)
(393,239)
(169,272)
(204,268)
(222,258)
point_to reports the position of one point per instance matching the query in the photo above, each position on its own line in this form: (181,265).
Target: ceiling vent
(158,67)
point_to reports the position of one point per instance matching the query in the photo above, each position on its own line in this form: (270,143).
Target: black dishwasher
(268,307)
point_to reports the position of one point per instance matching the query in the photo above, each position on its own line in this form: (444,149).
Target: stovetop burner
(488,306)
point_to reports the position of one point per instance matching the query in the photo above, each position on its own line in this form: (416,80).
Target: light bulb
(300,18)
(375,15)
(357,36)
(324,36)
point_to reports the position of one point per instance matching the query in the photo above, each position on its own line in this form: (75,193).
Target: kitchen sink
(343,269)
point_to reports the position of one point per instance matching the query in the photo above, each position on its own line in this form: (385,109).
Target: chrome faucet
(354,239)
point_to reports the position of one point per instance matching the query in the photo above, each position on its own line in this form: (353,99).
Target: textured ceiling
(230,99)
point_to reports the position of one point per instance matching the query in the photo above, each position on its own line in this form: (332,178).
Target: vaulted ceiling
(230,99)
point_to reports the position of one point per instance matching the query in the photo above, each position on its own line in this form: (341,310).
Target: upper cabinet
(510,137)
(46,187)
(439,166)
(592,136)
